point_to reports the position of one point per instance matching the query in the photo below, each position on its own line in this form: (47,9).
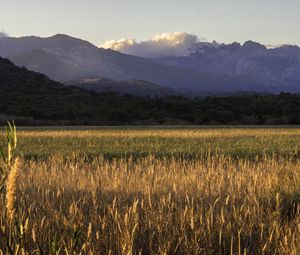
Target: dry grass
(11,187)
(213,203)
(155,206)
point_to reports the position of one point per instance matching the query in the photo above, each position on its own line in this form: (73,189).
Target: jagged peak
(288,46)
(251,44)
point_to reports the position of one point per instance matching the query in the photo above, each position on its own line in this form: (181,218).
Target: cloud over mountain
(3,35)
(161,45)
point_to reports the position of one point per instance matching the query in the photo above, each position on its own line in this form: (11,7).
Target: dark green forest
(33,99)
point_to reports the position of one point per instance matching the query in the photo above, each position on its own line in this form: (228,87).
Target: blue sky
(265,21)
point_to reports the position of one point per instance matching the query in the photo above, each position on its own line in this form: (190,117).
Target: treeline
(114,109)
(33,99)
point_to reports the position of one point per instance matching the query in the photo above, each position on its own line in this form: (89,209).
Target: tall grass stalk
(11,188)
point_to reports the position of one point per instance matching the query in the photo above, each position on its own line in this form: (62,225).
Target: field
(153,191)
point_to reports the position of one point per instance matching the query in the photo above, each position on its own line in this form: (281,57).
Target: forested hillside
(33,99)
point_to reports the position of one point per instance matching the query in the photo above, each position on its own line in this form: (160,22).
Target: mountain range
(209,68)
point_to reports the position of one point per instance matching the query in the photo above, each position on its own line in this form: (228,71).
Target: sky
(265,21)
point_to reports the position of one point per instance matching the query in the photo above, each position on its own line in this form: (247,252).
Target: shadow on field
(163,155)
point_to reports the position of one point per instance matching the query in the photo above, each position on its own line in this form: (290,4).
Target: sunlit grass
(193,191)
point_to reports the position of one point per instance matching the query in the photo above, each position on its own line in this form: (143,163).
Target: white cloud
(166,44)
(120,45)
(3,35)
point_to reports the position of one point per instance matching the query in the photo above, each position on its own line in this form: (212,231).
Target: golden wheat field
(152,191)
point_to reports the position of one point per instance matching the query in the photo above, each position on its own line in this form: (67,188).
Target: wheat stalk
(11,188)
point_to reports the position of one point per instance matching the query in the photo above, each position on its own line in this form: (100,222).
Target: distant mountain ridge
(133,87)
(276,68)
(210,68)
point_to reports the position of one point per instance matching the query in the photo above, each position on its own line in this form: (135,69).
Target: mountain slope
(65,58)
(133,87)
(29,94)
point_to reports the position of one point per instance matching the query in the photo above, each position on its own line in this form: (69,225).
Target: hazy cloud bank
(166,44)
(3,34)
